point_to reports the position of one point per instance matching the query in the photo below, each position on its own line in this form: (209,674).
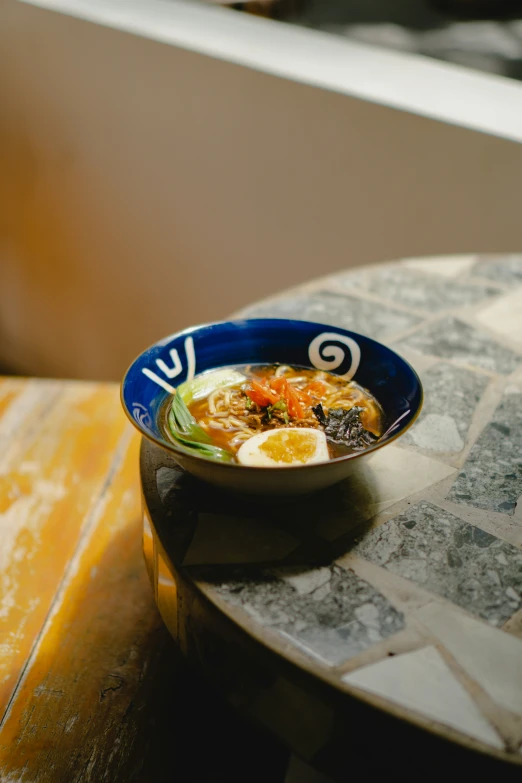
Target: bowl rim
(171,447)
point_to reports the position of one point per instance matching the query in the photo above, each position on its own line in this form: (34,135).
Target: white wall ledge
(481,102)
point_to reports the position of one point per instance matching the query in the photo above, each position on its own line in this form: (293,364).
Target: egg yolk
(289,447)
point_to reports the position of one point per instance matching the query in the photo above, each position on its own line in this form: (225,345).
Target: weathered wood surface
(75,603)
(91,685)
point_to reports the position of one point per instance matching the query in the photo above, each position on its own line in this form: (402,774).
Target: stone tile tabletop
(403,584)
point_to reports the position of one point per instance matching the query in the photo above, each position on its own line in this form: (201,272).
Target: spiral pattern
(330,357)
(141,414)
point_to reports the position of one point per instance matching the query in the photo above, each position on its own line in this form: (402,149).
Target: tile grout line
(316,285)
(503,288)
(466,315)
(495,526)
(482,415)
(495,714)
(359,296)
(366,295)
(71,569)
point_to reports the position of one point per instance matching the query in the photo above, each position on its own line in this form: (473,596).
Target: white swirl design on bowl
(141,414)
(330,357)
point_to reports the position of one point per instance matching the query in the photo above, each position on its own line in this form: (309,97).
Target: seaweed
(344,427)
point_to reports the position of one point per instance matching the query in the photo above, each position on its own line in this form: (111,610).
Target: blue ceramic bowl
(155,373)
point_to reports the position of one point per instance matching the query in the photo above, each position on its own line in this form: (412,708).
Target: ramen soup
(273,416)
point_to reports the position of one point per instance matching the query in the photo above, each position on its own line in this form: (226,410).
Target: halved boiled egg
(284,447)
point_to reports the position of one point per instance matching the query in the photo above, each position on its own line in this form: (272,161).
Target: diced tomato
(291,396)
(272,395)
(295,408)
(303,396)
(262,394)
(257,397)
(278,383)
(317,388)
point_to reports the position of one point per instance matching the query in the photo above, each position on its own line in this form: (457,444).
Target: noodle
(234,414)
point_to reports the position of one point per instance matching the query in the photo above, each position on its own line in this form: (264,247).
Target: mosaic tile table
(381,619)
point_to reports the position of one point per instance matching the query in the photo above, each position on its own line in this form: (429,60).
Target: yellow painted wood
(58,444)
(77,616)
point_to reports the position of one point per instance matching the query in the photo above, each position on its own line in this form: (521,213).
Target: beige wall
(145,188)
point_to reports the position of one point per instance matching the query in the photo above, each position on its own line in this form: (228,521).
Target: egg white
(249,453)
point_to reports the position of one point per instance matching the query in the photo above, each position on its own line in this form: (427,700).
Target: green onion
(186,423)
(277,406)
(193,438)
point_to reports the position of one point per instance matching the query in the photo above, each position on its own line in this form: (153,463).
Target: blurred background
(165,163)
(481,34)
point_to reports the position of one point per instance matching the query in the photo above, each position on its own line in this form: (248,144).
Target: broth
(279,396)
